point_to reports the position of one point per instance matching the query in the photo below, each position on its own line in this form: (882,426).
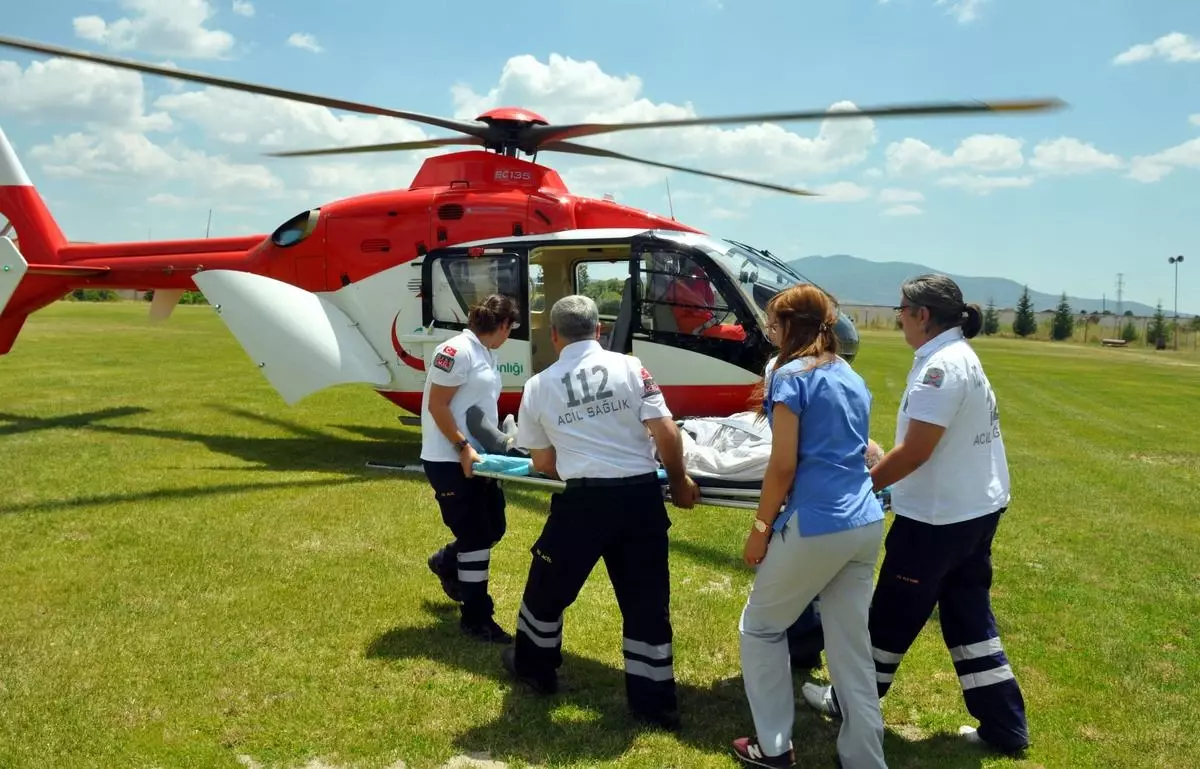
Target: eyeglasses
(902,307)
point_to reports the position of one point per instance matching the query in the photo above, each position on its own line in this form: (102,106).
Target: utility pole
(1120,294)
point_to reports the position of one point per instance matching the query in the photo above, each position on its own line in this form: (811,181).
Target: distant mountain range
(858,281)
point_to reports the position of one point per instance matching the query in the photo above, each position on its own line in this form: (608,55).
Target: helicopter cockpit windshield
(757,277)
(760,275)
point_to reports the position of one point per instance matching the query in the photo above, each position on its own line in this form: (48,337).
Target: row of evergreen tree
(1062,325)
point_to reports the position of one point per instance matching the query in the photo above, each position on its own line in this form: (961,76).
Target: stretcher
(725,456)
(506,469)
(715,492)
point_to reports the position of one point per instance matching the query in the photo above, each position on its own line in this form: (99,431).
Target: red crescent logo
(408,360)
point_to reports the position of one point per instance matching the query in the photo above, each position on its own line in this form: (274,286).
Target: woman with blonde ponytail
(823,542)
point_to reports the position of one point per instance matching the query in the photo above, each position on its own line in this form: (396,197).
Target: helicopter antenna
(208,227)
(670,205)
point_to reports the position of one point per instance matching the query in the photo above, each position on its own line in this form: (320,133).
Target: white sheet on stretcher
(733,448)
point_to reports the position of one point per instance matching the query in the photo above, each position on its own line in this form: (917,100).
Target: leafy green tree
(1063,325)
(1025,324)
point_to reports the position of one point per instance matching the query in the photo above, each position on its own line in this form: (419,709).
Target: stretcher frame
(743,498)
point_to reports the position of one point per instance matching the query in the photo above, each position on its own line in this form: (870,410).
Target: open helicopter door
(453,280)
(692,328)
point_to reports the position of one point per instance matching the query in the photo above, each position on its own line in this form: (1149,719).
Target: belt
(628,480)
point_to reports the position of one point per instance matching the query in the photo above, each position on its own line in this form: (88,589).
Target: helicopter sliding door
(453,280)
(692,329)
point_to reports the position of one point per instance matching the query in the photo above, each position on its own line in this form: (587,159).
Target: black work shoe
(750,752)
(486,630)
(447,575)
(508,659)
(663,719)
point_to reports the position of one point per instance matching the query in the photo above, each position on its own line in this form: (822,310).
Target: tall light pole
(1175,260)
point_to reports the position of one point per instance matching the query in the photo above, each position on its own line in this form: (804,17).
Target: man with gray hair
(588,420)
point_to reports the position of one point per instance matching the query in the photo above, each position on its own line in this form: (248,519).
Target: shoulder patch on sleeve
(649,386)
(444,360)
(934,376)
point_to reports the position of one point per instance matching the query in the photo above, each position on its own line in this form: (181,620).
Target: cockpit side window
(679,297)
(461,283)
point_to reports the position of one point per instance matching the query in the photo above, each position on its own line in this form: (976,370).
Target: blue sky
(1062,201)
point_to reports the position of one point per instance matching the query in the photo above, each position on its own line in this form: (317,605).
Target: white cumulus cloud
(166,27)
(1066,155)
(1173,47)
(243,8)
(907,209)
(1153,168)
(305,41)
(78,92)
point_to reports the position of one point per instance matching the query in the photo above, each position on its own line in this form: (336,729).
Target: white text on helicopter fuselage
(504,175)
(605,407)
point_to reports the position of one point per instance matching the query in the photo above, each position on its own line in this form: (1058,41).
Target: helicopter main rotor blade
(393,147)
(582,149)
(542,134)
(472,128)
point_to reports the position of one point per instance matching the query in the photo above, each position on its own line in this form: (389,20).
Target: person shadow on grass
(587,720)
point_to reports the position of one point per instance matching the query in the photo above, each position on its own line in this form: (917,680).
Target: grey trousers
(840,568)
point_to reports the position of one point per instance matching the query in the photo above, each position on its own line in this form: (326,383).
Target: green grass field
(194,574)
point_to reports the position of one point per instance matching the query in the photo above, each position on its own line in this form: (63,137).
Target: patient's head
(573,318)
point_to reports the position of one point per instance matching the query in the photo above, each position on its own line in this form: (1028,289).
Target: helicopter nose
(847,334)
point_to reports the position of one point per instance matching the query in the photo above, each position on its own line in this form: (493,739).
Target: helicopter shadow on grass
(17,424)
(304,449)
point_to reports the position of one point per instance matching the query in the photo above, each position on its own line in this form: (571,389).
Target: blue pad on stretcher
(519,466)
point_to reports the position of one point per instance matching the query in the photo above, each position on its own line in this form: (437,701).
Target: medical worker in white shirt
(950,485)
(464,375)
(588,420)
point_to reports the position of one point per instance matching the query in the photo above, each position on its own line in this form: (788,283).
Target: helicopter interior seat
(618,340)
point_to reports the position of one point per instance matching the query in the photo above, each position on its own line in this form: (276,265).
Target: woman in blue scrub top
(824,543)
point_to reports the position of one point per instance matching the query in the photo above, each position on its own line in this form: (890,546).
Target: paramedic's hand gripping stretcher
(726,457)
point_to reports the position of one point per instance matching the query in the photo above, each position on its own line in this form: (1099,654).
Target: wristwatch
(460,446)
(760,525)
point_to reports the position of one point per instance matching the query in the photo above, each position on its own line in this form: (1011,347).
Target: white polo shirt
(464,362)
(590,406)
(967,475)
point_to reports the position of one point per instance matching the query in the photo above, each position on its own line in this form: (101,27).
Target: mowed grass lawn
(194,574)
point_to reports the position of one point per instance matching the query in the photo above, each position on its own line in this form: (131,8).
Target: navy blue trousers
(949,567)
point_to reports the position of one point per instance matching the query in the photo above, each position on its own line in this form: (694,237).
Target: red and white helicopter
(362,289)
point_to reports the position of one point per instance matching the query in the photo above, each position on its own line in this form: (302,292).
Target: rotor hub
(508,130)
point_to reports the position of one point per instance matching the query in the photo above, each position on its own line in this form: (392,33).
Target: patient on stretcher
(728,452)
